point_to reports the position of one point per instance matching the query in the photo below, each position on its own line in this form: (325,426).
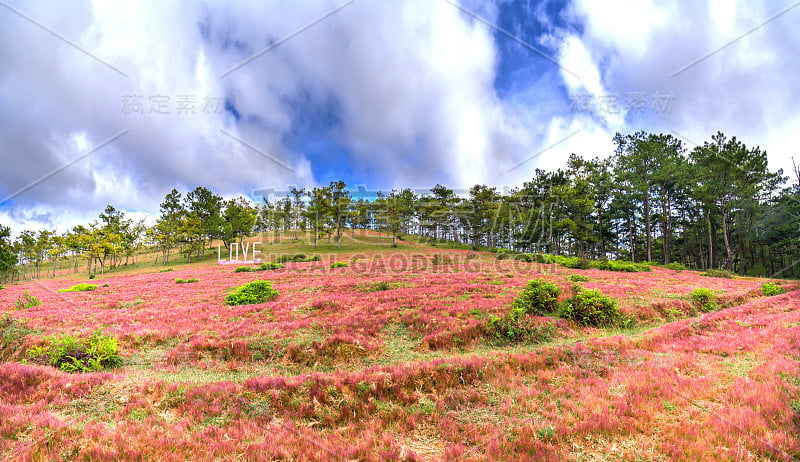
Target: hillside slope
(390,359)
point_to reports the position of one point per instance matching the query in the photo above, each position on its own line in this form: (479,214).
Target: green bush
(186,281)
(569,262)
(268,266)
(525,257)
(582,263)
(538,297)
(546,259)
(515,328)
(252,293)
(621,266)
(590,307)
(26,300)
(442,260)
(578,263)
(577,278)
(92,276)
(2,287)
(82,287)
(70,354)
(379,286)
(244,269)
(340,264)
(300,257)
(704,299)
(718,273)
(503,256)
(12,336)
(165,270)
(290,258)
(675,266)
(769,289)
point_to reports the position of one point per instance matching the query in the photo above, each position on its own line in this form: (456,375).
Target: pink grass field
(337,369)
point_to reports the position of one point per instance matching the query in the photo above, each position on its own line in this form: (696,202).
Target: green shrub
(582,263)
(82,287)
(590,307)
(339,264)
(2,287)
(165,270)
(300,257)
(252,293)
(26,300)
(577,278)
(569,262)
(70,354)
(545,258)
(91,276)
(290,258)
(538,297)
(718,273)
(769,289)
(379,287)
(629,266)
(12,336)
(105,285)
(603,265)
(704,299)
(244,269)
(578,263)
(621,266)
(525,257)
(442,260)
(268,266)
(186,281)
(675,266)
(515,327)
(503,256)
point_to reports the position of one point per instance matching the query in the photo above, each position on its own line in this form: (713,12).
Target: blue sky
(119,102)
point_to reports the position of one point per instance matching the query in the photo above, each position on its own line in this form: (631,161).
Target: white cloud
(409,87)
(744,89)
(405,92)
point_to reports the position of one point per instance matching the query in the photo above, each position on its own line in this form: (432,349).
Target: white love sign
(247,248)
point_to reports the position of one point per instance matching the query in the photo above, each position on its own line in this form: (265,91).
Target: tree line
(714,206)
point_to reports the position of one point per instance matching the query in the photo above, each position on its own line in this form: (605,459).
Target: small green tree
(538,297)
(240,220)
(704,299)
(591,307)
(167,229)
(769,289)
(8,259)
(252,293)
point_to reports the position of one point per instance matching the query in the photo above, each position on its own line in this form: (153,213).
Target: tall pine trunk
(647,224)
(728,251)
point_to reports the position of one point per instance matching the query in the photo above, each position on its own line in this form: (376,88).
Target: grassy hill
(395,357)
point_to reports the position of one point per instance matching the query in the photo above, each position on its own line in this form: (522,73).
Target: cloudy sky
(108,103)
